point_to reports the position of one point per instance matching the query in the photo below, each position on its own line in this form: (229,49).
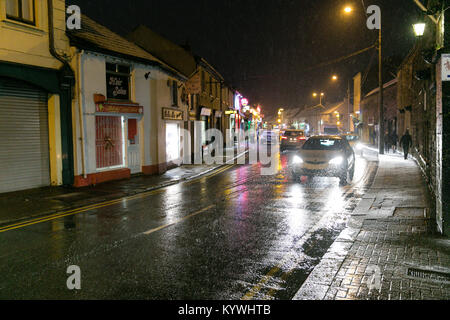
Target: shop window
(109,142)
(132,131)
(174,93)
(118,81)
(21,10)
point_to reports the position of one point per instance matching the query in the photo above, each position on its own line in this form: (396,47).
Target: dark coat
(406,141)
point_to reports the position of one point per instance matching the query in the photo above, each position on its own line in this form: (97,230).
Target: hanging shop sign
(117,108)
(218,114)
(171,114)
(205,112)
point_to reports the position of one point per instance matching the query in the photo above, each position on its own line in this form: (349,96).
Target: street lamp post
(380,98)
(348,10)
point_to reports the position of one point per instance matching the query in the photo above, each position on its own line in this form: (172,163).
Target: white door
(172,142)
(134,146)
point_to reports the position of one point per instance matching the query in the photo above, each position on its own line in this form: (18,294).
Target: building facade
(423,106)
(36,82)
(130,108)
(370,114)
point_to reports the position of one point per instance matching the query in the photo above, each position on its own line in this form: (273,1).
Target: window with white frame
(21,10)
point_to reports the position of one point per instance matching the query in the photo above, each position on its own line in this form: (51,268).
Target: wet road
(234,234)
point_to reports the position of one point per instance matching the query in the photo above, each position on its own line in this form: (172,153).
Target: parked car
(292,139)
(330,156)
(269,137)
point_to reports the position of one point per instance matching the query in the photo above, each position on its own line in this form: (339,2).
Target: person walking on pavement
(406,143)
(387,142)
(394,141)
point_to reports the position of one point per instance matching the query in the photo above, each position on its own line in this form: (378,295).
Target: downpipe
(80,114)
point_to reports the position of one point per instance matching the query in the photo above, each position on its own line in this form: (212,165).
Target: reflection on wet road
(234,234)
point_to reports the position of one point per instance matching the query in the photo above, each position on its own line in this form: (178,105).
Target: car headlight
(297,160)
(337,161)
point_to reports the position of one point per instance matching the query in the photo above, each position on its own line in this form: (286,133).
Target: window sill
(24,27)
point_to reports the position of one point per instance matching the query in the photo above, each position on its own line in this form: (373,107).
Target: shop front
(112,122)
(118,137)
(173,125)
(34,115)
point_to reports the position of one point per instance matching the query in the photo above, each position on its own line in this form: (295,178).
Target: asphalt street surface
(234,234)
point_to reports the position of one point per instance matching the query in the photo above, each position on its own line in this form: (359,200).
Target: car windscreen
(294,134)
(323,144)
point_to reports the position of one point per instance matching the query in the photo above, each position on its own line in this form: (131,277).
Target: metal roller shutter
(24,144)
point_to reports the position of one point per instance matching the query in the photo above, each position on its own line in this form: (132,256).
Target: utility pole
(380,100)
(348,108)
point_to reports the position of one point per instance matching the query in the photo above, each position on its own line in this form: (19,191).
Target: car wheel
(343,179)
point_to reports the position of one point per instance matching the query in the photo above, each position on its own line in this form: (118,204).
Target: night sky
(263,47)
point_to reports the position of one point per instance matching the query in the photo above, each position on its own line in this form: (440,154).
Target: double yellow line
(72,212)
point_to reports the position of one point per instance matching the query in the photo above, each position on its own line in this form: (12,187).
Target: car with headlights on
(292,139)
(328,156)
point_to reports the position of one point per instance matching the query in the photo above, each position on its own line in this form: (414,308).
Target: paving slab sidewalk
(27,204)
(390,249)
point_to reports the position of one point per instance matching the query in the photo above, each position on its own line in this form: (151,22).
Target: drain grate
(410,213)
(429,275)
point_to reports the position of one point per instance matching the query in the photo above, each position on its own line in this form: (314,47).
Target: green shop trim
(59,82)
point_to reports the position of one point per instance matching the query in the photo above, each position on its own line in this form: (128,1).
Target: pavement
(390,249)
(40,202)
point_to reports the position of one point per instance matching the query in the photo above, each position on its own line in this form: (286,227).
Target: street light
(321,96)
(348,9)
(419,29)
(334,78)
(380,84)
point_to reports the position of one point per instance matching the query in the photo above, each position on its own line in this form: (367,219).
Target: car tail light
(284,138)
(302,138)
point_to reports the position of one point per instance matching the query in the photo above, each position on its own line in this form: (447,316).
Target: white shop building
(129,108)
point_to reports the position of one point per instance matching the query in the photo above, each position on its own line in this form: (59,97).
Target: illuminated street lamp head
(322,94)
(314,94)
(334,78)
(348,9)
(419,29)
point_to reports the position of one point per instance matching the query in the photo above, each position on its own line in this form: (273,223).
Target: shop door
(24,143)
(134,147)
(172,142)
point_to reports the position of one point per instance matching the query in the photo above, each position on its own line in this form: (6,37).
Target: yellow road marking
(251,294)
(72,212)
(179,220)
